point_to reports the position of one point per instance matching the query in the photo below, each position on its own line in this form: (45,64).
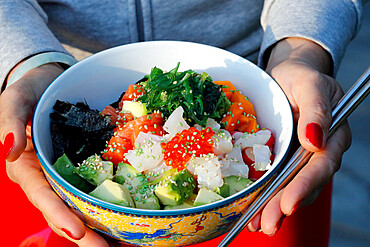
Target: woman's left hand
(300,67)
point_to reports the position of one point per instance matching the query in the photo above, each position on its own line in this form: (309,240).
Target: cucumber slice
(65,169)
(237,183)
(223,191)
(136,183)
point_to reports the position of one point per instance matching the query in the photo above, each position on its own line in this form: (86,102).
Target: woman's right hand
(17,103)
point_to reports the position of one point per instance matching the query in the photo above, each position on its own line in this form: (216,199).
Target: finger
(320,169)
(7,146)
(28,174)
(28,159)
(15,108)
(91,238)
(313,99)
(255,224)
(272,216)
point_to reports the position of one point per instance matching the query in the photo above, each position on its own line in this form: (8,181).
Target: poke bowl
(101,79)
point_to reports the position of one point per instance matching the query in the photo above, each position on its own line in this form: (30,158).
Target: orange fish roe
(187,144)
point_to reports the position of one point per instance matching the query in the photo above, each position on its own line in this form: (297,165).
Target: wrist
(36,61)
(47,65)
(53,69)
(40,77)
(303,51)
(52,66)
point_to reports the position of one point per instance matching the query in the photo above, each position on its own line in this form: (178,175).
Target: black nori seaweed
(78,131)
(116,103)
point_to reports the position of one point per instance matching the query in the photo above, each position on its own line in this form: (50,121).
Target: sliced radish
(236,169)
(213,124)
(272,158)
(255,175)
(175,122)
(258,157)
(271,142)
(233,164)
(223,142)
(248,156)
(261,157)
(236,135)
(248,140)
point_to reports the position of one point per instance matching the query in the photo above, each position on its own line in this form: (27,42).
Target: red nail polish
(69,234)
(314,134)
(8,143)
(296,207)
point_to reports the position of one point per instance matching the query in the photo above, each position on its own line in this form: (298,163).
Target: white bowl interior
(101,78)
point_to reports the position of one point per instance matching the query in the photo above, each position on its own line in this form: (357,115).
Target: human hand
(16,107)
(301,67)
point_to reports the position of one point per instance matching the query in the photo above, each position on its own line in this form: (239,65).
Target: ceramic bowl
(100,79)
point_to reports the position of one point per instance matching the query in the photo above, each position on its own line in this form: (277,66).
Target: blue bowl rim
(135,211)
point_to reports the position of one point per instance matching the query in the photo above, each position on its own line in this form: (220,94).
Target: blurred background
(351,191)
(351,188)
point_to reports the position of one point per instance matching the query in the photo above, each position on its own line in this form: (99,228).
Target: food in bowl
(100,78)
(173,140)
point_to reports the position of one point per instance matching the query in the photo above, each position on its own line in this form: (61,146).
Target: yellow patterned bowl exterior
(175,230)
(150,230)
(101,78)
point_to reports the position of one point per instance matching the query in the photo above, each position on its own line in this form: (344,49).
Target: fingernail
(69,234)
(295,208)
(8,143)
(314,134)
(278,225)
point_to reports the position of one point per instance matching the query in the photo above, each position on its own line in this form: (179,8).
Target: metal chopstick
(349,102)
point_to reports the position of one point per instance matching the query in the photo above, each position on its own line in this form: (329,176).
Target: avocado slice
(136,108)
(136,183)
(223,191)
(95,170)
(237,183)
(113,192)
(146,199)
(65,169)
(206,196)
(175,189)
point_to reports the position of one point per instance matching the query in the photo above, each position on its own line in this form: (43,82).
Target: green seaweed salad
(195,93)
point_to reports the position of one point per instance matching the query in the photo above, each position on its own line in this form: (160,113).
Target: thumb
(17,103)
